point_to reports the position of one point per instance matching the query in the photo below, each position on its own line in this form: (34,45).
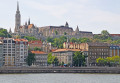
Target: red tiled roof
(35,42)
(53,50)
(21,40)
(114,34)
(38,52)
(30,26)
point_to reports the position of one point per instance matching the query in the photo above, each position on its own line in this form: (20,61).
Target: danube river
(59,78)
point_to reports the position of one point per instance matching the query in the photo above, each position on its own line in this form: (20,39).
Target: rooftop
(63,50)
(98,44)
(114,34)
(21,40)
(30,26)
(35,42)
(38,52)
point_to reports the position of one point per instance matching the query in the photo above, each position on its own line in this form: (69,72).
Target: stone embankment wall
(111,70)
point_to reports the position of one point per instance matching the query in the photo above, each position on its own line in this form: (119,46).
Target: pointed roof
(17,6)
(29,21)
(66,25)
(77,29)
(10,30)
(25,23)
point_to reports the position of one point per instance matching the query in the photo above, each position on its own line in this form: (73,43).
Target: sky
(88,15)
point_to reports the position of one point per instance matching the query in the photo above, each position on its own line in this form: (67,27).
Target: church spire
(29,21)
(77,29)
(66,25)
(10,30)
(17,19)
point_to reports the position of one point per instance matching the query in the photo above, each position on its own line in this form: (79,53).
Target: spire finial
(17,6)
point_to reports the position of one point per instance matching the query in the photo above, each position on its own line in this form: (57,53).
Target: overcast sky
(89,15)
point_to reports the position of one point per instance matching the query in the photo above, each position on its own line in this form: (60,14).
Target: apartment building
(1,54)
(65,55)
(21,51)
(8,52)
(95,50)
(114,50)
(15,51)
(41,58)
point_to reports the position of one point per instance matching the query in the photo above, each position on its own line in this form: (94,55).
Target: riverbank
(12,70)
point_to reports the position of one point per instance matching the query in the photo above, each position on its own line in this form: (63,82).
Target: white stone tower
(17,19)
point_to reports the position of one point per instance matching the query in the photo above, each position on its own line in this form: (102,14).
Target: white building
(8,52)
(15,51)
(21,51)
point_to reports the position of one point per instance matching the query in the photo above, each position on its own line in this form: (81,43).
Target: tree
(37,49)
(29,38)
(30,59)
(49,39)
(56,33)
(65,33)
(110,61)
(73,40)
(84,40)
(104,33)
(78,59)
(4,33)
(52,60)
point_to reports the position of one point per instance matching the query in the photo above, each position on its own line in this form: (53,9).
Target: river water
(59,78)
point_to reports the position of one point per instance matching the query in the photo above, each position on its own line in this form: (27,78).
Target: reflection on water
(59,78)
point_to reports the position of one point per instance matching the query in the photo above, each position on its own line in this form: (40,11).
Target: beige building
(65,55)
(61,30)
(41,58)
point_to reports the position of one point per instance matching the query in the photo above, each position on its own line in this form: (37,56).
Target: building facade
(65,55)
(29,29)
(95,50)
(114,50)
(35,43)
(21,52)
(1,54)
(40,58)
(8,52)
(15,52)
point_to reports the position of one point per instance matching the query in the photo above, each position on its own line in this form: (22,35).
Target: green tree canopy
(110,61)
(73,40)
(49,39)
(52,59)
(30,59)
(104,33)
(78,59)
(29,38)
(37,49)
(65,33)
(56,33)
(4,33)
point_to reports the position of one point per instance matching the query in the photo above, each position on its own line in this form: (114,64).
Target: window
(21,49)
(9,41)
(5,41)
(21,42)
